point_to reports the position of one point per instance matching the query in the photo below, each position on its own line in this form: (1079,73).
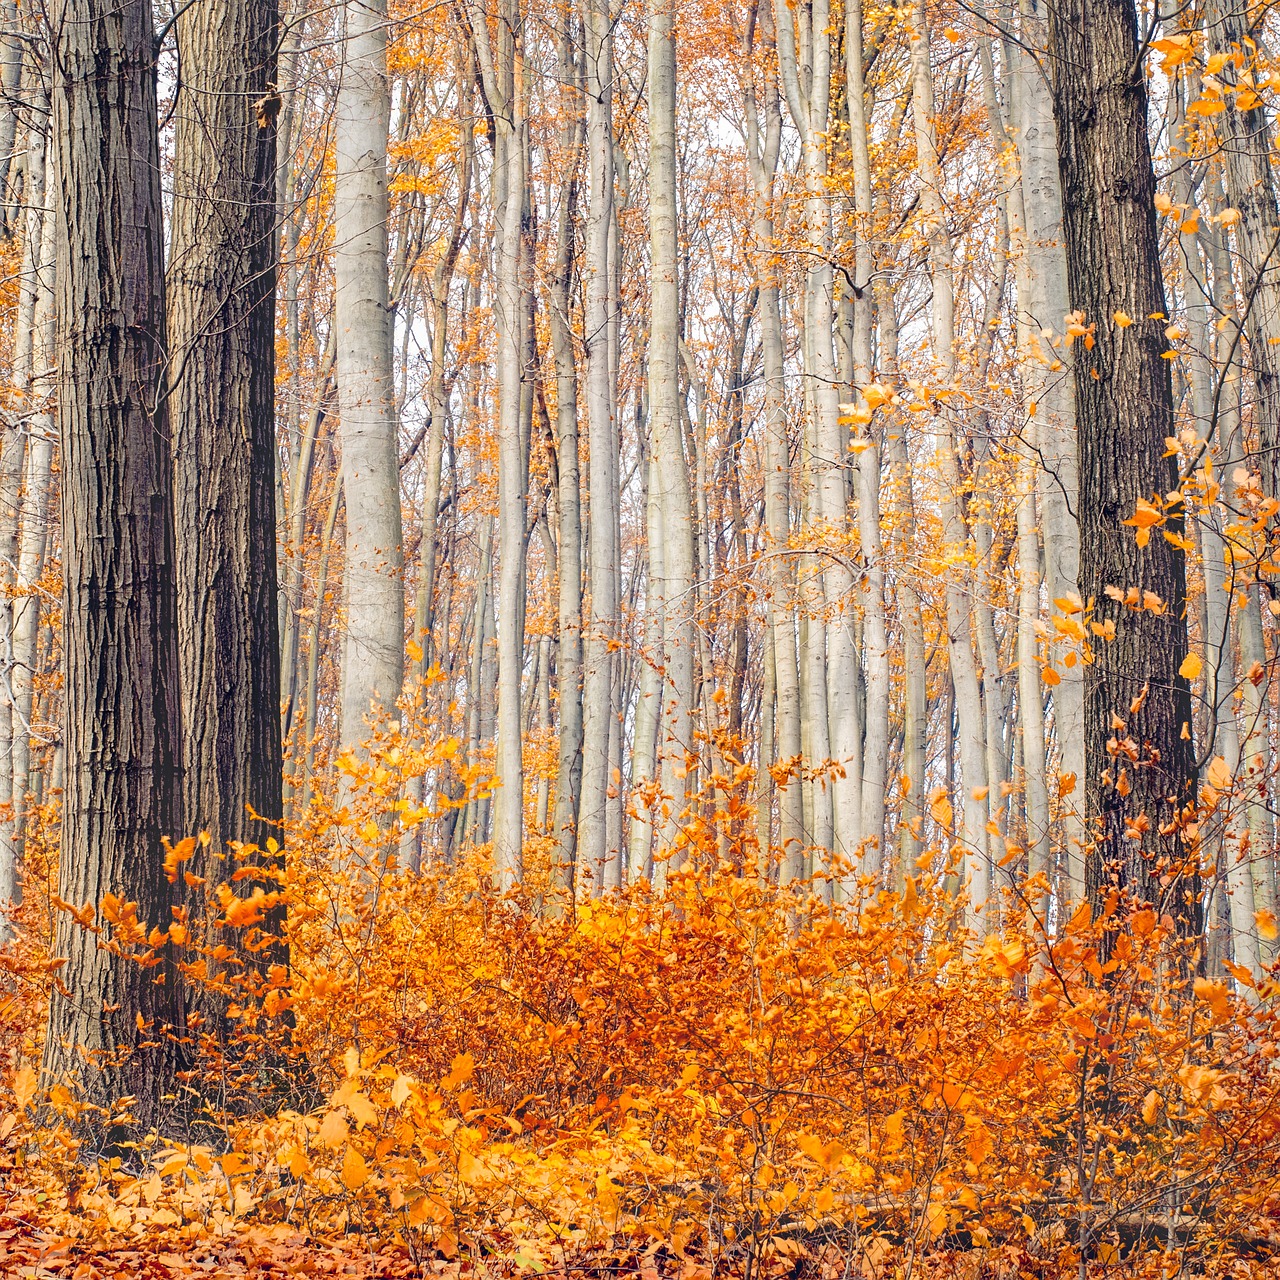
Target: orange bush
(723,1077)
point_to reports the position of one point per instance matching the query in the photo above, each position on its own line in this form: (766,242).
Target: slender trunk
(964,674)
(374,656)
(673,587)
(34,540)
(569,770)
(875,649)
(1044,302)
(599,306)
(12,461)
(764,144)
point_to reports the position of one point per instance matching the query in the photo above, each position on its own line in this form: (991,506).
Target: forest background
(639,638)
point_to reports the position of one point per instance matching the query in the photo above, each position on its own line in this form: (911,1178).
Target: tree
(221,314)
(1138,756)
(373,661)
(117,1005)
(672,588)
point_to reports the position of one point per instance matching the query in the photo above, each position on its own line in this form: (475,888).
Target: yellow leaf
(1163,203)
(1191,666)
(940,807)
(24,1087)
(400,1090)
(936,1219)
(877,394)
(1266,922)
(1150,1105)
(1051,677)
(355,1173)
(363,1111)
(1217,774)
(978,1143)
(470,1170)
(462,1069)
(1122,320)
(333,1129)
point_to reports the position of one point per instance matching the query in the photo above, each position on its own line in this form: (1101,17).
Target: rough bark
(122,732)
(1138,757)
(221,316)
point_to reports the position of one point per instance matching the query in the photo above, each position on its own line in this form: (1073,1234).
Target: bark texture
(110,1021)
(1138,754)
(221,299)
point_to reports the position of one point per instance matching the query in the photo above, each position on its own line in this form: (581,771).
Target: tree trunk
(672,589)
(1138,755)
(875,649)
(221,305)
(374,656)
(122,727)
(964,675)
(1043,301)
(599,306)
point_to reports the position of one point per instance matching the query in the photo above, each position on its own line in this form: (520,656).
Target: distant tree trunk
(11,44)
(673,589)
(1043,302)
(764,142)
(504,89)
(599,304)
(424,615)
(122,730)
(13,455)
(34,540)
(1138,754)
(568,502)
(374,653)
(221,305)
(804,67)
(959,603)
(876,640)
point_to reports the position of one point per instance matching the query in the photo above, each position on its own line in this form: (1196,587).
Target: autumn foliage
(723,1079)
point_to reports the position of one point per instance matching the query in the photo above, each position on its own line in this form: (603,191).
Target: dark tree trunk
(1138,753)
(120,631)
(222,338)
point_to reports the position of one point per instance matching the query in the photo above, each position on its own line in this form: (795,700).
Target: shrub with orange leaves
(725,1076)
